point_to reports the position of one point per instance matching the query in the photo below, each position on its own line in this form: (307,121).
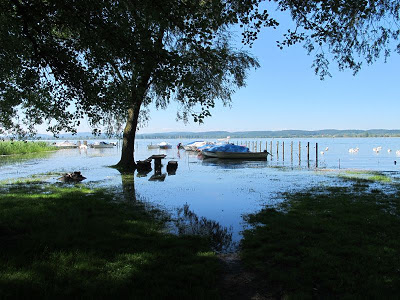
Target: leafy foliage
(62,61)
(65,60)
(347,32)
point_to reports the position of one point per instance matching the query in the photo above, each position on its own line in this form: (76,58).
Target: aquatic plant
(23,147)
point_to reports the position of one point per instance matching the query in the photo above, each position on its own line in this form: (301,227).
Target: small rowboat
(236,155)
(102,145)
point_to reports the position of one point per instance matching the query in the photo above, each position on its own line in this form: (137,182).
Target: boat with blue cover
(230,151)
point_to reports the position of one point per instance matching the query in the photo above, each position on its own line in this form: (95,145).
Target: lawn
(69,241)
(328,243)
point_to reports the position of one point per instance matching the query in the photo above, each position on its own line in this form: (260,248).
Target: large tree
(108,60)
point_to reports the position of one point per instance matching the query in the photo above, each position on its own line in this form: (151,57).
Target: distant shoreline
(326,133)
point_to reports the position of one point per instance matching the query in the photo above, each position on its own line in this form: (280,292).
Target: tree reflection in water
(188,223)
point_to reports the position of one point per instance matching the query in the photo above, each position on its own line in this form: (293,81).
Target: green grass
(21,147)
(366,176)
(328,243)
(69,241)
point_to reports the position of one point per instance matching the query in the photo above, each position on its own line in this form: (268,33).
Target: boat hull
(237,155)
(102,146)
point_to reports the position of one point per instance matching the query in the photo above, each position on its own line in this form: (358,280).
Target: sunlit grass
(21,147)
(71,241)
(334,243)
(366,176)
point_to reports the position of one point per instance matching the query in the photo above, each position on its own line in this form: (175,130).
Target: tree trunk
(139,91)
(127,161)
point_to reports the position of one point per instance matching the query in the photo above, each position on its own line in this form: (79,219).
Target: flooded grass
(328,243)
(71,241)
(366,176)
(21,147)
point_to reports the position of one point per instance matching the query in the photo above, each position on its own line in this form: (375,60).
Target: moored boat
(164,145)
(194,146)
(153,146)
(65,145)
(231,151)
(102,145)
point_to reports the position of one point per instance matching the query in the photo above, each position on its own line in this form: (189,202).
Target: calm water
(219,190)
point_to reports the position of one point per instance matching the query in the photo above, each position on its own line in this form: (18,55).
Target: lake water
(223,191)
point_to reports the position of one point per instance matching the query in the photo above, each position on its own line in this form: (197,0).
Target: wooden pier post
(283,151)
(316,155)
(308,154)
(270,147)
(291,151)
(277,150)
(299,153)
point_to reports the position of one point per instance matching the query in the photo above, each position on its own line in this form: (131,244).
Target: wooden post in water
(316,155)
(308,154)
(283,151)
(255,146)
(277,150)
(291,151)
(270,147)
(260,147)
(299,153)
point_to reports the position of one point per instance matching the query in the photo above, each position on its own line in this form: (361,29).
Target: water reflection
(128,186)
(234,163)
(188,223)
(20,158)
(221,190)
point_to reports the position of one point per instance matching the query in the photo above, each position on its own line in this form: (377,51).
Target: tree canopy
(61,61)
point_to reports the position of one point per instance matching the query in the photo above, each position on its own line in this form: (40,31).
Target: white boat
(153,146)
(236,155)
(194,145)
(164,145)
(102,145)
(65,145)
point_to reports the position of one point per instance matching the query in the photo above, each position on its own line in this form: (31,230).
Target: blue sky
(285,93)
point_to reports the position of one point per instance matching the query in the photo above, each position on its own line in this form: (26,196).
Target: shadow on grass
(328,243)
(71,241)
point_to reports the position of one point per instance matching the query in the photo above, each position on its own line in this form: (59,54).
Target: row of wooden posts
(254,146)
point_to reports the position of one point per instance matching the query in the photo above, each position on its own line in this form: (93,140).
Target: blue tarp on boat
(228,148)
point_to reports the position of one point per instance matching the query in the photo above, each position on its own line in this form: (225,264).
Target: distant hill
(70,136)
(274,134)
(328,133)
